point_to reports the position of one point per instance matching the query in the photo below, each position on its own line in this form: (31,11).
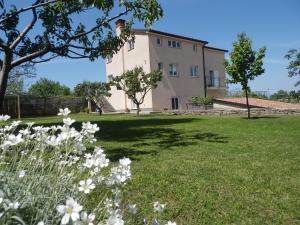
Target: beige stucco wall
(214,60)
(139,56)
(147,54)
(183,86)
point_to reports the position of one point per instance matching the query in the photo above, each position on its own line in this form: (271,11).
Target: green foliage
(294,66)
(15,84)
(48,88)
(89,89)
(136,83)
(200,100)
(245,63)
(60,35)
(54,29)
(93,91)
(281,95)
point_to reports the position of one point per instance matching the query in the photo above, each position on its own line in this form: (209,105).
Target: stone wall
(40,106)
(242,112)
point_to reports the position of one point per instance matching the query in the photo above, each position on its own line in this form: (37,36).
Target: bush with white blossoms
(47,173)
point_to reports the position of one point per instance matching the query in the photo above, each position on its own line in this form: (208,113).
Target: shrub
(47,174)
(199,100)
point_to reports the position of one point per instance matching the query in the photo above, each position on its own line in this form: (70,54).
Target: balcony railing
(215,82)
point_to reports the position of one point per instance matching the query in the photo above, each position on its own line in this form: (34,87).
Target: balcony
(216,83)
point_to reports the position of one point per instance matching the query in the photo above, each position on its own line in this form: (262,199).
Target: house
(190,68)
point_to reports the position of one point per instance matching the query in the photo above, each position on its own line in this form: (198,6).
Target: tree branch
(30,57)
(34,6)
(25,31)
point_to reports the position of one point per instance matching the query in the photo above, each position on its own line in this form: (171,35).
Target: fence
(41,106)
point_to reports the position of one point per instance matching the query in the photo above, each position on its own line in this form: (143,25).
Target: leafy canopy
(245,63)
(48,88)
(294,66)
(91,89)
(137,81)
(61,34)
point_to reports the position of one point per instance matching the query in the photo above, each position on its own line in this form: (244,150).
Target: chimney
(120,24)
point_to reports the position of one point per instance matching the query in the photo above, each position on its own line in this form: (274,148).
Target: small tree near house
(136,84)
(293,56)
(96,92)
(245,64)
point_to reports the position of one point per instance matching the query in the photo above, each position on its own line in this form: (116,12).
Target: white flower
(159,207)
(64,112)
(4,117)
(170,223)
(86,186)
(90,128)
(86,219)
(155,222)
(132,208)
(13,140)
(68,121)
(22,173)
(41,223)
(14,205)
(69,211)
(115,219)
(125,162)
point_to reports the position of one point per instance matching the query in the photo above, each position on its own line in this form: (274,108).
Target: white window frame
(158,66)
(195,47)
(160,42)
(172,72)
(214,78)
(130,44)
(194,71)
(174,44)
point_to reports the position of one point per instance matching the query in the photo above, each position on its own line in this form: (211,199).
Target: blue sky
(270,23)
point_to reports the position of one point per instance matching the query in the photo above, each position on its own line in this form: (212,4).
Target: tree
(245,64)
(15,84)
(93,91)
(136,84)
(53,32)
(48,88)
(294,66)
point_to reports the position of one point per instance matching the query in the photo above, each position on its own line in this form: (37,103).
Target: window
(109,59)
(173,69)
(130,44)
(213,79)
(174,44)
(160,66)
(195,48)
(194,71)
(158,42)
(175,103)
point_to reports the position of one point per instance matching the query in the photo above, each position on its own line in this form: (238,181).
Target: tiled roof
(261,103)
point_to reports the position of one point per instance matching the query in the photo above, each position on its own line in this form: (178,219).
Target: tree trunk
(137,109)
(5,69)
(247,102)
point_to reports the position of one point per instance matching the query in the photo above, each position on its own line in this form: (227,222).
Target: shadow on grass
(136,137)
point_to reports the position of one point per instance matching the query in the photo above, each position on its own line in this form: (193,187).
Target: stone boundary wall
(241,112)
(41,106)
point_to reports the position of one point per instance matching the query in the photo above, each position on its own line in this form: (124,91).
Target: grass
(209,170)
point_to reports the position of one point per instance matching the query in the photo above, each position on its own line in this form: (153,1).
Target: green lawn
(209,170)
